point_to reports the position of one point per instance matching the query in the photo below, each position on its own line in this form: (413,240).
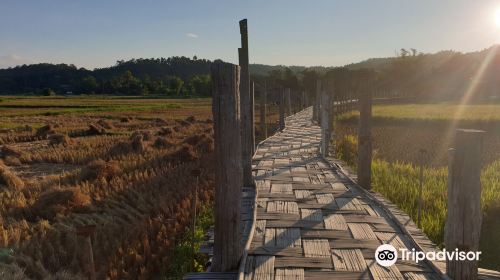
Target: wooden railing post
(306,99)
(463,222)
(252,107)
(288,101)
(317,103)
(364,139)
(325,123)
(228,163)
(245,107)
(282,109)
(263,109)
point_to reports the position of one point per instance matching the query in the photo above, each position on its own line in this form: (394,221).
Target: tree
(175,84)
(89,84)
(309,78)
(201,85)
(286,78)
(130,84)
(404,53)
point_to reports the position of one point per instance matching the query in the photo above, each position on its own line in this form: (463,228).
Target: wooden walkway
(313,222)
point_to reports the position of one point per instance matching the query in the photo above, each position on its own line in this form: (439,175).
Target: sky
(97,33)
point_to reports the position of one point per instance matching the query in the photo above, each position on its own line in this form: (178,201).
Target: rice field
(435,112)
(399,133)
(121,165)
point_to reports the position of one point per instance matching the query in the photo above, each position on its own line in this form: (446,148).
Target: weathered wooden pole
(196,174)
(228,171)
(463,221)
(263,109)
(282,109)
(252,107)
(364,140)
(354,100)
(245,107)
(422,153)
(325,123)
(288,102)
(306,99)
(317,103)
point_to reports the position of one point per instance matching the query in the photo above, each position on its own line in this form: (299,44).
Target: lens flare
(469,93)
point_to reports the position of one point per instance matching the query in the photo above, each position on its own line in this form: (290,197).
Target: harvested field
(126,171)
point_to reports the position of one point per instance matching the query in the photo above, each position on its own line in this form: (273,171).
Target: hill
(443,75)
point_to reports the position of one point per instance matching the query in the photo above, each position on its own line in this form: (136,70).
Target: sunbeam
(469,93)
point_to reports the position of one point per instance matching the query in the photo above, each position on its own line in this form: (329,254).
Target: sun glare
(497,17)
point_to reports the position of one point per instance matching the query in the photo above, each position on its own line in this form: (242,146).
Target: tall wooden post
(196,174)
(306,99)
(252,107)
(463,222)
(364,140)
(228,171)
(317,103)
(325,123)
(421,186)
(263,109)
(282,109)
(245,106)
(351,97)
(288,101)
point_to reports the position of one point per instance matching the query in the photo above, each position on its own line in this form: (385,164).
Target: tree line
(446,75)
(174,76)
(442,76)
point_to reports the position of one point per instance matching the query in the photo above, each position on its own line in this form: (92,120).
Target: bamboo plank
(316,248)
(361,231)
(289,274)
(348,259)
(335,221)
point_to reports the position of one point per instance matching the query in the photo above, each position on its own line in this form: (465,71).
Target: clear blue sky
(95,33)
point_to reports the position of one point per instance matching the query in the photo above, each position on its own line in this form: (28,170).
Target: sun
(497,17)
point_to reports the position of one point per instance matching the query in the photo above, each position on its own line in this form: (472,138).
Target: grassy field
(122,165)
(399,132)
(435,112)
(36,111)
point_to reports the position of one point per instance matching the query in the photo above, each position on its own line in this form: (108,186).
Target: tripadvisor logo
(387,255)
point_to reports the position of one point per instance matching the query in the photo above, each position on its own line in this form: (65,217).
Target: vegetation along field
(406,135)
(123,165)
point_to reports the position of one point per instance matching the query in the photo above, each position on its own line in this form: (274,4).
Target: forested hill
(443,75)
(170,76)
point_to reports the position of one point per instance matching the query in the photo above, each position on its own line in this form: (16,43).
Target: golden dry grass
(130,177)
